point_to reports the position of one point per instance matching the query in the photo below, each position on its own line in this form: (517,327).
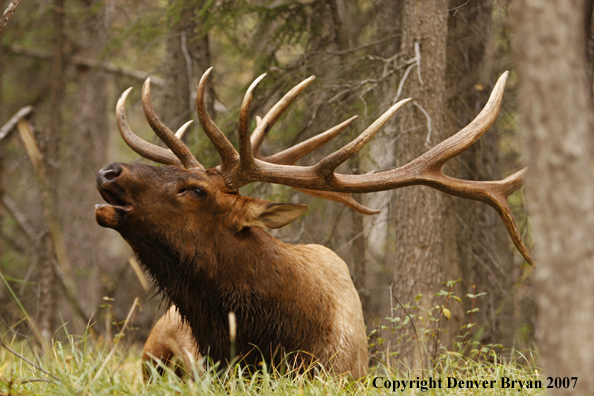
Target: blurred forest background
(71,59)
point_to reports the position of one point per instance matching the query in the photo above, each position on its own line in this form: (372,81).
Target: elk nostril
(110,172)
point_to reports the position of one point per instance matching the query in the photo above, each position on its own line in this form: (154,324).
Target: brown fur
(170,343)
(209,256)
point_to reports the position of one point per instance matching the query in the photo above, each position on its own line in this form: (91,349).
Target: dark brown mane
(213,288)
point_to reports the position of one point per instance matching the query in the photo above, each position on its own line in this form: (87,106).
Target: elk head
(206,201)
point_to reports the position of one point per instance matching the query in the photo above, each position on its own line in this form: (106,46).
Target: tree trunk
(557,120)
(420,211)
(85,153)
(359,274)
(56,88)
(485,257)
(47,289)
(188,56)
(50,149)
(2,155)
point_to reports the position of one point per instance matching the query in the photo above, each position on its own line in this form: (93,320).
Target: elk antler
(182,156)
(229,157)
(274,114)
(165,134)
(142,147)
(233,167)
(425,169)
(294,153)
(298,151)
(247,166)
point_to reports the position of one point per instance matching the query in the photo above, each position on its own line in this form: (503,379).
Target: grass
(87,366)
(90,365)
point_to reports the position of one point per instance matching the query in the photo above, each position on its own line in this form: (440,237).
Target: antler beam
(424,170)
(229,157)
(140,146)
(165,134)
(247,166)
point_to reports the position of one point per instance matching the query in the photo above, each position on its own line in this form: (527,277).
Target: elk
(205,246)
(170,343)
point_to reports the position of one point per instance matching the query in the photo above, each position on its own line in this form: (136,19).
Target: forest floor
(86,366)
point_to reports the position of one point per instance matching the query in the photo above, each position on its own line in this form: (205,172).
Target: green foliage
(290,21)
(416,324)
(220,14)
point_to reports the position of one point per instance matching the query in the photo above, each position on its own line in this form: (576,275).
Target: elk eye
(199,192)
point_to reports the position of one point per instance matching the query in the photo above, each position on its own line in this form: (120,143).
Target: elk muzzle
(113,213)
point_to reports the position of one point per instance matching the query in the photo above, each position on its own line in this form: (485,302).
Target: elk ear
(267,214)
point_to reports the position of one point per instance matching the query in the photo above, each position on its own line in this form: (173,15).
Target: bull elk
(205,247)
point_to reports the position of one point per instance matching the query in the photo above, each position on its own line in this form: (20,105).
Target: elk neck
(251,274)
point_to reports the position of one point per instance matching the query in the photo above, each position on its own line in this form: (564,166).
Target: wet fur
(286,298)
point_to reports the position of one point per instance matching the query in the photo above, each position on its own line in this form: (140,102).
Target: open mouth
(113,200)
(113,213)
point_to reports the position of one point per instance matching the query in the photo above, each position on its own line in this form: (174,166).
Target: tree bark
(420,211)
(50,149)
(485,259)
(188,57)
(47,289)
(557,120)
(12,5)
(86,153)
(2,155)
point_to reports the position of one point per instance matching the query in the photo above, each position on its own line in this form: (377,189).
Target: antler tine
(328,164)
(140,146)
(165,134)
(508,186)
(274,114)
(294,153)
(246,158)
(229,156)
(425,170)
(468,135)
(340,197)
(319,176)
(182,129)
